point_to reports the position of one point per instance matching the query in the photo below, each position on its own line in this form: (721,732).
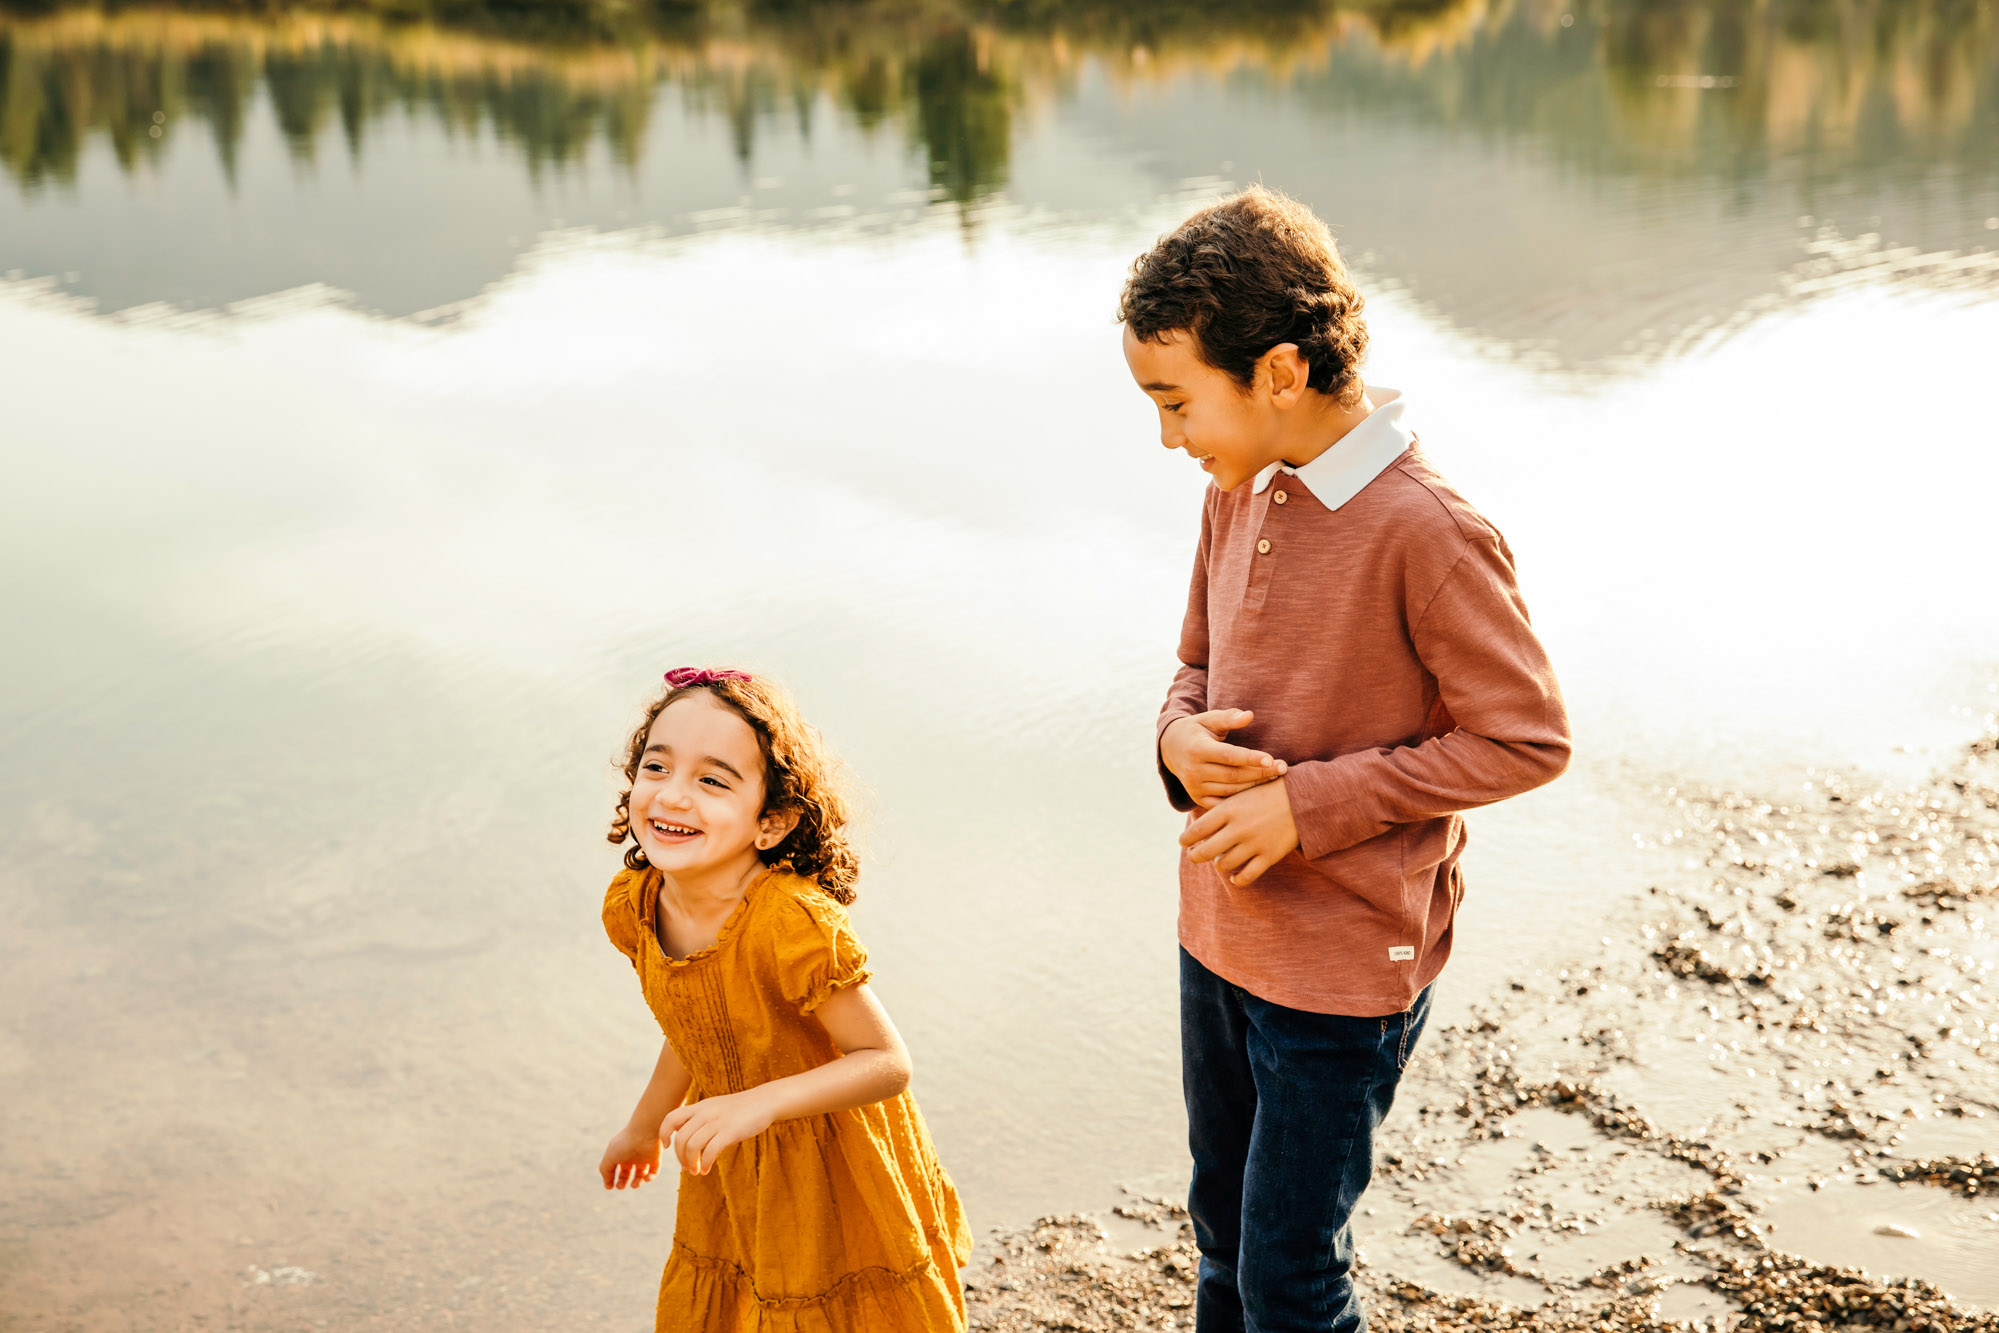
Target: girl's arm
(873,1066)
(632,1157)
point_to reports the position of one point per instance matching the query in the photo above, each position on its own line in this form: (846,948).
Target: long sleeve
(1507,729)
(1188,694)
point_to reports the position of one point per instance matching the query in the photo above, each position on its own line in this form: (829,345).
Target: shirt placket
(1269,542)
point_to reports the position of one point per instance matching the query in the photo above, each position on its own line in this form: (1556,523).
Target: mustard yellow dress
(836,1223)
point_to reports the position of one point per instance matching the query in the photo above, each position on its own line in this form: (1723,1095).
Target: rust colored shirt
(1379,636)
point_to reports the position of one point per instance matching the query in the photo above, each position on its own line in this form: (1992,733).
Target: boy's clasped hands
(1245,826)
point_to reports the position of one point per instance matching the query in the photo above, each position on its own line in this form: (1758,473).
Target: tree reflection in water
(1633,83)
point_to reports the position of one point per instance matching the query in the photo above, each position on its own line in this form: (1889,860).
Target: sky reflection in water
(397,413)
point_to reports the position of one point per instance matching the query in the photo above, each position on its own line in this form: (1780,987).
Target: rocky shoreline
(1771,1084)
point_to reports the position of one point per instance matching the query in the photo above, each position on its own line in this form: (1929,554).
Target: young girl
(812,1199)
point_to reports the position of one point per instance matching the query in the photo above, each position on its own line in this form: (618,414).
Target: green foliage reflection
(1641,83)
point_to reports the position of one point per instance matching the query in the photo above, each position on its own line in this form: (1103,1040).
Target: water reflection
(1575,187)
(1696,85)
(138,79)
(1882,78)
(327,615)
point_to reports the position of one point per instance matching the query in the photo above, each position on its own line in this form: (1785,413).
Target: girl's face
(700,785)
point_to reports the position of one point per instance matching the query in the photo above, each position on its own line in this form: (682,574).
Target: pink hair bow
(681,678)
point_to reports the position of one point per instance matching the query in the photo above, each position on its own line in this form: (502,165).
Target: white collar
(1356,458)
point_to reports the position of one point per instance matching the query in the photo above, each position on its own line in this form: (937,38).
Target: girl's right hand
(630,1159)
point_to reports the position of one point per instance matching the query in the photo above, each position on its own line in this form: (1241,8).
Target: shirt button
(1279,498)
(1263,547)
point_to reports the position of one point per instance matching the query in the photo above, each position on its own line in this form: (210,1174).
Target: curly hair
(1244,275)
(800,774)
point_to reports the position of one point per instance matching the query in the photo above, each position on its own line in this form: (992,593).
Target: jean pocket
(1395,1037)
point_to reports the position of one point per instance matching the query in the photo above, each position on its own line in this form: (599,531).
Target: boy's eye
(653,767)
(716,782)
(1171,407)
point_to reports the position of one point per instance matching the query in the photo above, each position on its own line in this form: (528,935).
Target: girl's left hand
(701,1130)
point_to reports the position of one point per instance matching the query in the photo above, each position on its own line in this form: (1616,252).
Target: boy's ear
(775,827)
(1286,372)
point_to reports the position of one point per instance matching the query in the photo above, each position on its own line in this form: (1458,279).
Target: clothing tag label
(1402,953)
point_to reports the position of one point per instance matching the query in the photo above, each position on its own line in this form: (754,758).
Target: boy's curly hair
(1241,276)
(799,774)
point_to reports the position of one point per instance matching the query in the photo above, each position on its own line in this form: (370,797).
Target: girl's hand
(701,1130)
(630,1160)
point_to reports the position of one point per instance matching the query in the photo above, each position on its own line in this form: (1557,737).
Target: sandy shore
(1765,1100)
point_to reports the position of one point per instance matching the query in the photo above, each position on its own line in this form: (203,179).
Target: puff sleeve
(621,914)
(819,954)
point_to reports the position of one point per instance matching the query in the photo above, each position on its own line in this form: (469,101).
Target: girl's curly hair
(1244,275)
(800,774)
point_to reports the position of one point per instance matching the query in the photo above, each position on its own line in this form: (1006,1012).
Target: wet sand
(1763,1100)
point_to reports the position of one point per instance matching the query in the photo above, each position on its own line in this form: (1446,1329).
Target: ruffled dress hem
(715,1294)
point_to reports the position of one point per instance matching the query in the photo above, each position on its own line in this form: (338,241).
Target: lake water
(385,407)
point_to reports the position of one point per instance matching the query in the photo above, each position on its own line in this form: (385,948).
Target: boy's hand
(631,1159)
(701,1130)
(1246,834)
(1209,767)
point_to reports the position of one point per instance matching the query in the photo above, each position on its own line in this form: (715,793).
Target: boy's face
(1232,434)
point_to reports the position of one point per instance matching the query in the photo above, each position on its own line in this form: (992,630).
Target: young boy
(1355,624)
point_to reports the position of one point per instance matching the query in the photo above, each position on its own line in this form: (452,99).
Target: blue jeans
(1282,1106)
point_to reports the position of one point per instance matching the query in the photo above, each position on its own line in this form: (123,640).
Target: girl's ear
(775,827)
